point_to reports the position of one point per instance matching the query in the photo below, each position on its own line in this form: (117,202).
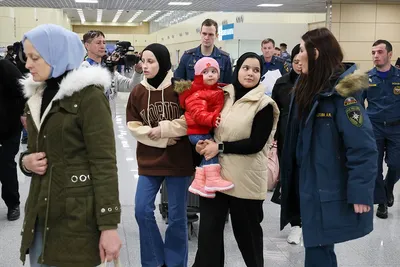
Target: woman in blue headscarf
(73,210)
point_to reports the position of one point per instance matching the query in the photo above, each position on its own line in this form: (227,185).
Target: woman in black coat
(282,95)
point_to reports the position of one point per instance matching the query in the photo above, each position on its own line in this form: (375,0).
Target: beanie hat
(204,63)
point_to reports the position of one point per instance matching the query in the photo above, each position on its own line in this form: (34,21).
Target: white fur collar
(75,81)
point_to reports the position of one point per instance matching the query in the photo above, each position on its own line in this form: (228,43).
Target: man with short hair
(383,96)
(95,45)
(271,62)
(284,53)
(277,52)
(209,33)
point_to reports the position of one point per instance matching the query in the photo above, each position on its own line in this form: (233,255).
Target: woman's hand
(35,162)
(109,245)
(211,150)
(173,141)
(360,208)
(200,146)
(155,133)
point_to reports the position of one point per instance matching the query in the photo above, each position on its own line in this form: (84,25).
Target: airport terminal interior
(242,26)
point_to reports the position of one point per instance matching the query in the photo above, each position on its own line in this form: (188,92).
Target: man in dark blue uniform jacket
(271,62)
(209,32)
(383,98)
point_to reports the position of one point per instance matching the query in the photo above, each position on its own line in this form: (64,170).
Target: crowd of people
(333,125)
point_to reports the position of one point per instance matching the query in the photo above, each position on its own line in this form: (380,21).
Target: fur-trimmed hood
(181,86)
(352,83)
(73,82)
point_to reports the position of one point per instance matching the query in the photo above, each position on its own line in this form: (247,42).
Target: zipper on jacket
(47,213)
(37,130)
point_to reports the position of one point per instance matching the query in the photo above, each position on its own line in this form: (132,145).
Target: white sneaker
(295,235)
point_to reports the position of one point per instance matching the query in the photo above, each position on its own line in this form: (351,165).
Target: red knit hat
(204,63)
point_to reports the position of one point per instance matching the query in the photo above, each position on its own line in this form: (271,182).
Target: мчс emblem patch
(355,116)
(396,90)
(350,101)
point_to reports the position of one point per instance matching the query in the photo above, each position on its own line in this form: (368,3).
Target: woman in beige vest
(248,124)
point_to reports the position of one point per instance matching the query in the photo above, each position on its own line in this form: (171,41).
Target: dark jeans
(388,144)
(8,170)
(246,217)
(323,256)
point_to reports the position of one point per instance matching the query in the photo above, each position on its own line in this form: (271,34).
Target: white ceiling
(110,7)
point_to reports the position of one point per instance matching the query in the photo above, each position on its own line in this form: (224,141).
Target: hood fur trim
(181,86)
(353,84)
(75,81)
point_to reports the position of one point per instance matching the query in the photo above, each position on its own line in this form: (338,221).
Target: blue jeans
(36,249)
(323,256)
(194,139)
(153,251)
(24,133)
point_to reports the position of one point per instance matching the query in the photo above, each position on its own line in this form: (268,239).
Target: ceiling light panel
(179,3)
(152,16)
(270,5)
(99,14)
(81,15)
(117,15)
(135,16)
(87,1)
(164,16)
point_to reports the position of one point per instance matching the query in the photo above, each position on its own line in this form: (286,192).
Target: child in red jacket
(203,101)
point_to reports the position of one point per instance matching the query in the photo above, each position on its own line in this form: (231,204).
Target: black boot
(382,211)
(390,198)
(13,214)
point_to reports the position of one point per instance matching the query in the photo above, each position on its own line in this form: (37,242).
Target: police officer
(271,62)
(284,53)
(383,98)
(209,32)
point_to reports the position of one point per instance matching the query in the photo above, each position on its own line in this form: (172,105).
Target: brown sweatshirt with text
(149,107)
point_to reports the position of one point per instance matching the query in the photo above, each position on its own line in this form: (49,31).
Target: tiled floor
(380,249)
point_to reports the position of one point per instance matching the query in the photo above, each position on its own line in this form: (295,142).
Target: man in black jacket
(12,105)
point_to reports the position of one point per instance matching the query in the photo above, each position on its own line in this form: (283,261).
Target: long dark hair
(320,70)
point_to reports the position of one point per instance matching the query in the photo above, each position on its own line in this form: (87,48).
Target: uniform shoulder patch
(355,116)
(350,101)
(396,90)
(286,67)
